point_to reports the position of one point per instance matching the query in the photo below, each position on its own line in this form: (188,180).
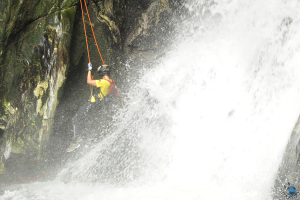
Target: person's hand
(90,67)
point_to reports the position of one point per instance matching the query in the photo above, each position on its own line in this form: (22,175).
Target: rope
(87,44)
(87,11)
(30,178)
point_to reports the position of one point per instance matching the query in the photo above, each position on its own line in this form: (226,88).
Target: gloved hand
(90,67)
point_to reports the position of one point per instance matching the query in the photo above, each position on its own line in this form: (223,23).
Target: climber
(105,84)
(106,88)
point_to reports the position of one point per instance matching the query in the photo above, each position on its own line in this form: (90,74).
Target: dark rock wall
(35,40)
(42,43)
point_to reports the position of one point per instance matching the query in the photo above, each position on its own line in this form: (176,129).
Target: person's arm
(89,79)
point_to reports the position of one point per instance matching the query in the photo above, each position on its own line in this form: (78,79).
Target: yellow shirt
(104,85)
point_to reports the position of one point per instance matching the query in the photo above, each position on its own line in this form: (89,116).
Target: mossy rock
(29,31)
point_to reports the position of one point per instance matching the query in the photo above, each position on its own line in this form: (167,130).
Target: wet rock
(35,39)
(42,44)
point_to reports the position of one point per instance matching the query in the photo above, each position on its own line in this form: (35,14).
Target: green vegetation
(33,52)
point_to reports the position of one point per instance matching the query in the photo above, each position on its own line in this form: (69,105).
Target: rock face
(289,168)
(34,56)
(42,43)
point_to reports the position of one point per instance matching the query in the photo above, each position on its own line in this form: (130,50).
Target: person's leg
(80,116)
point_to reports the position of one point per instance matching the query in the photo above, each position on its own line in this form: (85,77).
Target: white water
(210,121)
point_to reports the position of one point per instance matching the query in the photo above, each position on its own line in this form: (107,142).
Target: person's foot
(72,147)
(78,140)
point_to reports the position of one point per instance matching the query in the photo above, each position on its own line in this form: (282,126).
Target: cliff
(42,43)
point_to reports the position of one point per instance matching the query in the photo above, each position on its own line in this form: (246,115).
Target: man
(105,84)
(105,88)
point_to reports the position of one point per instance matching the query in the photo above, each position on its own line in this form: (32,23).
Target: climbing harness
(113,90)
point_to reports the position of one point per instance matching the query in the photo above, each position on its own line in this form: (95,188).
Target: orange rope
(87,11)
(87,45)
(29,178)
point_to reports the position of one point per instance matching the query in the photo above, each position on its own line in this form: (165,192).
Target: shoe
(72,147)
(78,140)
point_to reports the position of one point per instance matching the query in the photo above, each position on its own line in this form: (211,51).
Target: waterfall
(208,120)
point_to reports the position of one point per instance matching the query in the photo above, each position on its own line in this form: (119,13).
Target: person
(105,87)
(105,84)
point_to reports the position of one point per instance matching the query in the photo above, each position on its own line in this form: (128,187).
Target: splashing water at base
(210,121)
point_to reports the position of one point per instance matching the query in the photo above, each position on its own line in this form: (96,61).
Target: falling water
(210,120)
